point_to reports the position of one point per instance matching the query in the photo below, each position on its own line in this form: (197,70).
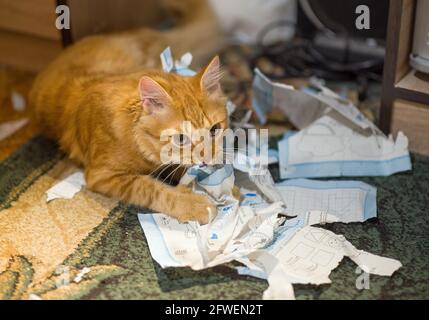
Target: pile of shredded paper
(259,232)
(270,229)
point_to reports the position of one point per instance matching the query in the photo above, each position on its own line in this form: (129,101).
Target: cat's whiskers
(156,168)
(171,174)
(167,166)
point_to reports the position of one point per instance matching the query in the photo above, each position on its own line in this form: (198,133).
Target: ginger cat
(106,102)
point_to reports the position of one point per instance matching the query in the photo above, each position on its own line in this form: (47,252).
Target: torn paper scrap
(184,62)
(255,228)
(217,183)
(371,263)
(179,239)
(255,232)
(302,108)
(267,95)
(265,184)
(157,246)
(349,201)
(230,236)
(279,288)
(167,61)
(234,232)
(9,128)
(312,253)
(329,148)
(18,101)
(81,274)
(33,296)
(180,67)
(282,235)
(67,188)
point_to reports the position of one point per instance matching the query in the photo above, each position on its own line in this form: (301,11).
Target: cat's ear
(210,78)
(154,97)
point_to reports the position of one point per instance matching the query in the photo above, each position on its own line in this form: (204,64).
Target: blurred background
(291,41)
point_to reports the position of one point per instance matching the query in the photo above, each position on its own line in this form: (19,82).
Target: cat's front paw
(195,207)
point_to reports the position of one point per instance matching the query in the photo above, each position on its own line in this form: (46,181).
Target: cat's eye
(181,139)
(215,129)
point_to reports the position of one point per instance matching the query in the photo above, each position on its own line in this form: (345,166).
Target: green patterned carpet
(122,267)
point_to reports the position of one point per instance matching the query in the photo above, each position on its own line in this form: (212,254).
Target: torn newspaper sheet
(330,148)
(254,230)
(303,108)
(67,188)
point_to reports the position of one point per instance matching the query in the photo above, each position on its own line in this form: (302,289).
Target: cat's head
(182,117)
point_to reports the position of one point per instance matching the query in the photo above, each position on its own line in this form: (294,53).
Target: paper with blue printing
(335,138)
(349,201)
(254,230)
(180,67)
(308,254)
(330,148)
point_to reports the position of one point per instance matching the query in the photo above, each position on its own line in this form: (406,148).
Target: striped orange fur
(106,102)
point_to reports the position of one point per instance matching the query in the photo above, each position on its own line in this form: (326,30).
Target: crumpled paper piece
(67,188)
(256,233)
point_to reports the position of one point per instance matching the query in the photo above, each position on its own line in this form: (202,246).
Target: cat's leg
(143,190)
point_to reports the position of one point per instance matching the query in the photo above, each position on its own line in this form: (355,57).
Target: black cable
(301,58)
